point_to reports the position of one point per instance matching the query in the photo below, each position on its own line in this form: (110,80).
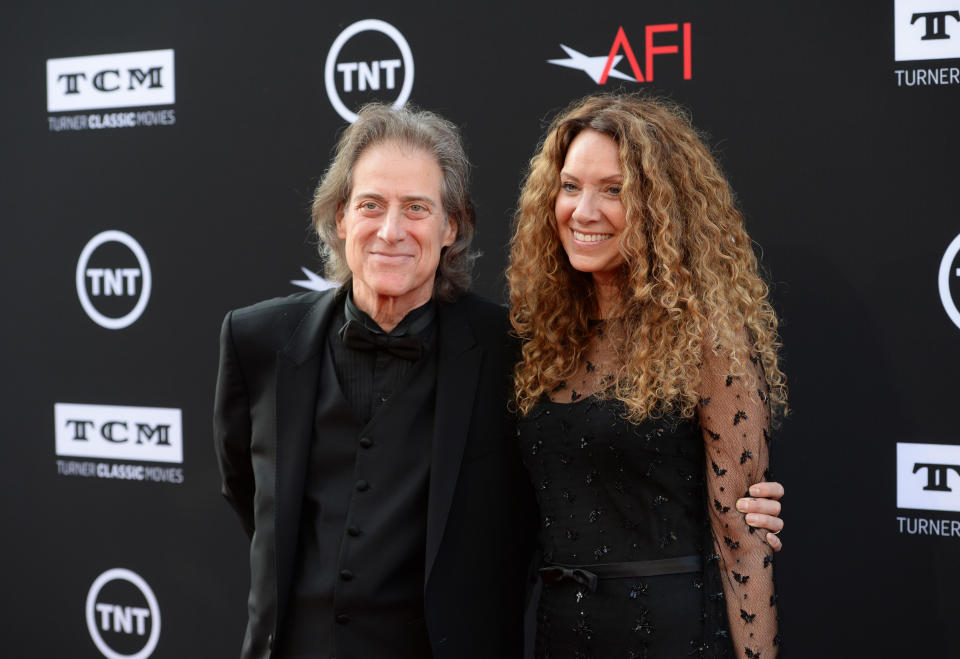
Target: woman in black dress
(647,384)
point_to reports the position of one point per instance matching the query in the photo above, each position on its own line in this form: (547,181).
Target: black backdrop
(843,158)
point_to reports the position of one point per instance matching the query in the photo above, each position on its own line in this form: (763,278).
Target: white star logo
(313,282)
(592,66)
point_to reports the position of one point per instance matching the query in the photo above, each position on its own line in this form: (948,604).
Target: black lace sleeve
(735,418)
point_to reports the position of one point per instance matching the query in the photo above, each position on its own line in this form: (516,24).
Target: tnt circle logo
(113,279)
(950,281)
(123,616)
(369,61)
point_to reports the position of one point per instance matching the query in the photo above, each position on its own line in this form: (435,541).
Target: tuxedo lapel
(458,373)
(298,375)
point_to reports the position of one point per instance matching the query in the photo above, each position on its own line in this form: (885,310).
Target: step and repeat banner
(158,162)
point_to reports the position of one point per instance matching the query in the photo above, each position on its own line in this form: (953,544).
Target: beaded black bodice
(613,491)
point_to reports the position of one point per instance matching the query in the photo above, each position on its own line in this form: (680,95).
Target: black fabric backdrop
(847,180)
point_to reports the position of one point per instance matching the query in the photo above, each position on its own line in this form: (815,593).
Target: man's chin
(393,288)
(399,288)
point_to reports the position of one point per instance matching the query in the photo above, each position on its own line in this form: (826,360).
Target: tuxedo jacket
(481,512)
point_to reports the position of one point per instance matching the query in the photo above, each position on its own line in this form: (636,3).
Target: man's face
(394,227)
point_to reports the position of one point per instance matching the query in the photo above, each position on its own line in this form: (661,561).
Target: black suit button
(343,619)
(346,575)
(353,531)
(362,486)
(366,442)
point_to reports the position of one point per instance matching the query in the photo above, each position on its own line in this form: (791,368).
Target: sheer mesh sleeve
(735,418)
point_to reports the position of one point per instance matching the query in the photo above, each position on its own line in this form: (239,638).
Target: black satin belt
(588,575)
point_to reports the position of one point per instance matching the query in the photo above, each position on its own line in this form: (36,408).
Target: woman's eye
(614,190)
(568,186)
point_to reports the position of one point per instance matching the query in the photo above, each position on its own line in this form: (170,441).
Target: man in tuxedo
(364,434)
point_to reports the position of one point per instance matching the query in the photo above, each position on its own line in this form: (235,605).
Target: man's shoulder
(489,320)
(281,306)
(278,317)
(480,309)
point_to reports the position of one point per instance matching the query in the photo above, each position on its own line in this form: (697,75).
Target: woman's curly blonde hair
(689,282)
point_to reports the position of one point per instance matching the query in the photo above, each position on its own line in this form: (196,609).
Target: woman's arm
(735,419)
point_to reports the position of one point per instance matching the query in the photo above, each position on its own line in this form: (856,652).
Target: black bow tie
(358,337)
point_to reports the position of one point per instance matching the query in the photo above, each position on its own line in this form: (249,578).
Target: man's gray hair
(377,124)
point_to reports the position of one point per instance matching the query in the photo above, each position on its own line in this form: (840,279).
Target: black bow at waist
(558,573)
(588,575)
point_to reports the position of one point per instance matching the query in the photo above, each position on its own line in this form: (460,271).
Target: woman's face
(590,213)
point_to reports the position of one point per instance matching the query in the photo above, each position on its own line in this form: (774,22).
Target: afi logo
(348,71)
(601,68)
(313,281)
(123,615)
(119,432)
(120,80)
(926,29)
(924,476)
(96,283)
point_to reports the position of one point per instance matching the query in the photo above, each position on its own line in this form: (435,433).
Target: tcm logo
(949,281)
(113,279)
(674,39)
(120,80)
(118,432)
(928,476)
(123,616)
(368,61)
(926,29)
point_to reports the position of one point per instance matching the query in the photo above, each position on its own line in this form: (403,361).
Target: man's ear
(341,232)
(450,232)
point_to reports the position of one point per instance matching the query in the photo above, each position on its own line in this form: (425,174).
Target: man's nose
(391,230)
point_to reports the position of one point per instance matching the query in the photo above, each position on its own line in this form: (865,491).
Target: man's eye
(369,205)
(418,210)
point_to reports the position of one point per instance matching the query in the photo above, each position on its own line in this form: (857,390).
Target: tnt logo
(658,40)
(949,281)
(118,80)
(119,432)
(928,476)
(926,29)
(113,279)
(369,61)
(123,616)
